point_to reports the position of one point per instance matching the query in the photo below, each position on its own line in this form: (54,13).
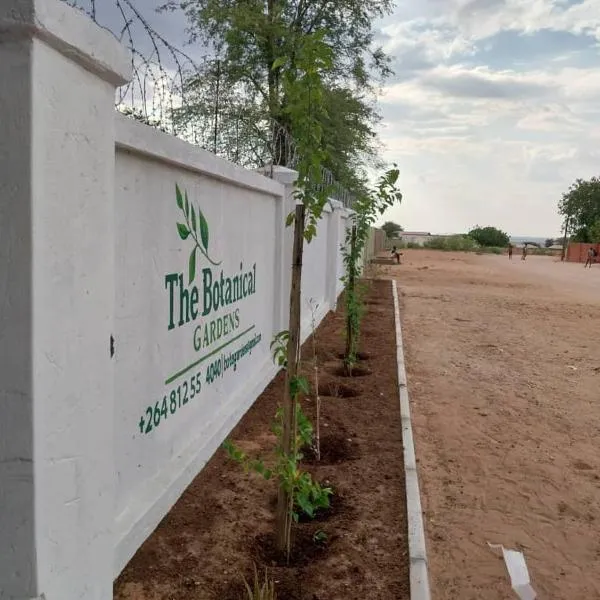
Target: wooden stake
(350,289)
(283,524)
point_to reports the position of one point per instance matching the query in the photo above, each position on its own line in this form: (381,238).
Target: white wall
(245,214)
(89,271)
(156,463)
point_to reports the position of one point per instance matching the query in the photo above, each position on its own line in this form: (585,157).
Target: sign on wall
(195,310)
(206,301)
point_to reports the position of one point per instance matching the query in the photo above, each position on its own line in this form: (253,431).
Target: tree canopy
(252,45)
(580,207)
(392,229)
(489,236)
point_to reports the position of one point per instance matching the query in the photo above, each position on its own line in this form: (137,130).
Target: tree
(594,232)
(392,229)
(549,242)
(253,44)
(580,207)
(367,208)
(489,236)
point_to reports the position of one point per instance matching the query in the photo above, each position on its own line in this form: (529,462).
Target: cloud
(492,111)
(480,82)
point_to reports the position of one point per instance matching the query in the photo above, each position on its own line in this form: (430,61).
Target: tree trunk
(564,245)
(283,525)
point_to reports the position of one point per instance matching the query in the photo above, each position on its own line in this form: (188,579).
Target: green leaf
(290,219)
(192,265)
(178,196)
(279,62)
(194,219)
(203,229)
(299,385)
(187,206)
(184,232)
(305,505)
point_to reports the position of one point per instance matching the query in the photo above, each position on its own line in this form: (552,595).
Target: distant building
(416,237)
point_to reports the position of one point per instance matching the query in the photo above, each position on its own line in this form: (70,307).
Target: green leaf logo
(183,231)
(192,265)
(196,227)
(178,196)
(203,229)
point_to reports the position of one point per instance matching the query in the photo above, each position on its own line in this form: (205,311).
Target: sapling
(313,308)
(367,208)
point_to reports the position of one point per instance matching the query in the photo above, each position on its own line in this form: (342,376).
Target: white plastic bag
(517,570)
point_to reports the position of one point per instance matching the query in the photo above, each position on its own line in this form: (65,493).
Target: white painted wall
(89,242)
(155,465)
(56,402)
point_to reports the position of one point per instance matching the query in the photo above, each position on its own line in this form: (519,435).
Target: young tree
(368,206)
(580,207)
(248,39)
(489,236)
(392,229)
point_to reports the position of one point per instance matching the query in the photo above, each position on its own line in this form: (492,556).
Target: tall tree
(580,207)
(248,41)
(392,229)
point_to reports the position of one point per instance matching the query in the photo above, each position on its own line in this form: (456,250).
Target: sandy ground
(504,374)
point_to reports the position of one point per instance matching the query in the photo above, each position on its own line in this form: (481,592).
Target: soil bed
(223,523)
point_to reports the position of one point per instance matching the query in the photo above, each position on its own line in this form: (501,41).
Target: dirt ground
(223,522)
(504,375)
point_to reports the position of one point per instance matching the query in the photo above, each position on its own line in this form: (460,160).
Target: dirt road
(504,374)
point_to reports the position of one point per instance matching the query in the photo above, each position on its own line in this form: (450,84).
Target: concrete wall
(577,251)
(120,373)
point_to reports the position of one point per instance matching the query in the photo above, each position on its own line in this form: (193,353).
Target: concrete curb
(419,576)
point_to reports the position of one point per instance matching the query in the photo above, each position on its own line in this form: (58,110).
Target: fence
(192,99)
(142,279)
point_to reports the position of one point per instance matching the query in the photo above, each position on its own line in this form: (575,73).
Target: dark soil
(335,449)
(223,524)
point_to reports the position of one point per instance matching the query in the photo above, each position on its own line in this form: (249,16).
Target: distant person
(510,251)
(524,255)
(591,255)
(396,254)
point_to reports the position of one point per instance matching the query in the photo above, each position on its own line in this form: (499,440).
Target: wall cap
(70,32)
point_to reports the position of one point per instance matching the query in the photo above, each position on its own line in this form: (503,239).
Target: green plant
(392,230)
(260,591)
(308,495)
(320,537)
(451,243)
(580,208)
(368,206)
(279,348)
(238,94)
(489,236)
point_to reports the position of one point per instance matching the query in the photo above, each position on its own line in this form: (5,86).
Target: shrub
(451,243)
(489,250)
(489,236)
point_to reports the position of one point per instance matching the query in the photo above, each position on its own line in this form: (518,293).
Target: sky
(493,110)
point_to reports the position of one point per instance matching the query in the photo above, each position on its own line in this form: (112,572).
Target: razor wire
(159,94)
